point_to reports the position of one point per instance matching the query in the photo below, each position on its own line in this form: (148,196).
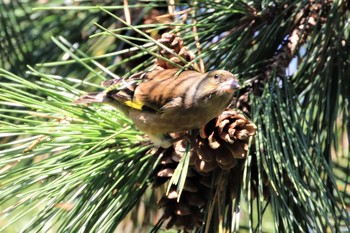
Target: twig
(196,38)
(34,144)
(171,7)
(127,12)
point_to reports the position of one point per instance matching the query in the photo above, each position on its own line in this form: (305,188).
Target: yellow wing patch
(134,105)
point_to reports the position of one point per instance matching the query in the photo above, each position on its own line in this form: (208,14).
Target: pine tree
(71,168)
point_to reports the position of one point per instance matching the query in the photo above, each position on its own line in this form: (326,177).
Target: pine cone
(228,136)
(187,213)
(175,44)
(222,143)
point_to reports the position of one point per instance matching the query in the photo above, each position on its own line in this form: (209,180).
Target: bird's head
(220,82)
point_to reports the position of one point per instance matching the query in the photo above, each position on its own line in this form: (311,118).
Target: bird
(161,102)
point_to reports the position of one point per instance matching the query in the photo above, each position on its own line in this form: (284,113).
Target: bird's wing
(165,91)
(159,92)
(123,91)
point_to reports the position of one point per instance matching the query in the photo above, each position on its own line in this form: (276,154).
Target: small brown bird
(166,101)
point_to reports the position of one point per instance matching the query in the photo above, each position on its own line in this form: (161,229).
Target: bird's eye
(216,76)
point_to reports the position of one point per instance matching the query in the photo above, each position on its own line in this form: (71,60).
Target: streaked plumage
(167,101)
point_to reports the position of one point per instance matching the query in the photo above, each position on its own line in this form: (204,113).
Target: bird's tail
(94,97)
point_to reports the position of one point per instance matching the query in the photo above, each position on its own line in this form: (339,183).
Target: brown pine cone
(222,143)
(175,44)
(187,212)
(223,140)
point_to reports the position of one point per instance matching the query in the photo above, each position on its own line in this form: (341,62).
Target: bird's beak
(230,85)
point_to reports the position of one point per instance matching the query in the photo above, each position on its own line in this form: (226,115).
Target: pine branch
(81,168)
